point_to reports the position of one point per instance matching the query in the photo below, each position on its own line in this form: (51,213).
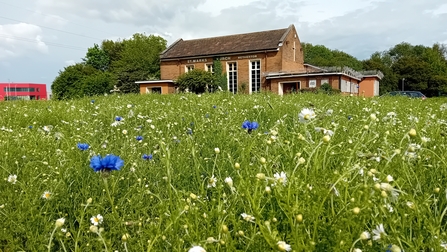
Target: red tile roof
(239,43)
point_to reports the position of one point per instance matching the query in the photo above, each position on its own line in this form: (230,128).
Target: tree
(138,60)
(221,78)
(197,81)
(320,55)
(97,84)
(69,82)
(97,58)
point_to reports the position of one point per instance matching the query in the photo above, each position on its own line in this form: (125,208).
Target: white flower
(280,178)
(389,178)
(282,246)
(12,179)
(229,181)
(425,139)
(196,249)
(248,217)
(442,108)
(365,235)
(357,250)
(60,222)
(329,112)
(217,150)
(378,232)
(46,195)
(212,182)
(96,220)
(444,244)
(306,115)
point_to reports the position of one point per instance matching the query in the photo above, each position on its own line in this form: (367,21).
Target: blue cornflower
(147,157)
(207,115)
(92,101)
(250,125)
(83,146)
(189,131)
(214,106)
(108,163)
(118,118)
(139,138)
(30,127)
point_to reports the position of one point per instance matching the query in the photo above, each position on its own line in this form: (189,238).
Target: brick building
(268,60)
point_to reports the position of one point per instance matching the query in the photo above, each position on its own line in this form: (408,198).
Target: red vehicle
(22,91)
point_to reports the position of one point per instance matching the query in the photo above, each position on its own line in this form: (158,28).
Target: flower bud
(89,201)
(356,210)
(326,138)
(237,166)
(217,150)
(60,222)
(93,229)
(260,176)
(125,237)
(263,160)
(299,218)
(412,132)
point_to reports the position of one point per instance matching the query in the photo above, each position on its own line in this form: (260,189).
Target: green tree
(221,77)
(383,63)
(97,58)
(69,83)
(319,55)
(138,60)
(97,84)
(197,81)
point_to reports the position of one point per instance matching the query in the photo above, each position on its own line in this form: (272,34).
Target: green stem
(108,193)
(51,238)
(103,241)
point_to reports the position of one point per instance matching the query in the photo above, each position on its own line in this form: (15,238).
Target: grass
(313,186)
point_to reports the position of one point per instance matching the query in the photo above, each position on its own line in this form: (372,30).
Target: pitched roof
(238,43)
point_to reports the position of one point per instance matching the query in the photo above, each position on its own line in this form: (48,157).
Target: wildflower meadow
(223,172)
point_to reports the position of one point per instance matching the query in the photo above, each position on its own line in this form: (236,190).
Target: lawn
(222,172)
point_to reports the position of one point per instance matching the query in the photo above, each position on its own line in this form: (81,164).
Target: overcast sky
(38,38)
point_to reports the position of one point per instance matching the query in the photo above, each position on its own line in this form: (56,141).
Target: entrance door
(290,87)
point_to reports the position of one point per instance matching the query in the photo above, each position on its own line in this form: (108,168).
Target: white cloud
(18,39)
(70,62)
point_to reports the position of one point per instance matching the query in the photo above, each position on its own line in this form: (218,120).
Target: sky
(38,38)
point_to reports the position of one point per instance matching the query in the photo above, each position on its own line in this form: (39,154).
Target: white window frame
(324,81)
(209,66)
(189,68)
(251,75)
(313,83)
(235,84)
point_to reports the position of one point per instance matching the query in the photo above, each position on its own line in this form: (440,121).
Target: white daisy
(283,246)
(378,232)
(306,115)
(12,179)
(248,217)
(212,182)
(46,195)
(280,178)
(96,220)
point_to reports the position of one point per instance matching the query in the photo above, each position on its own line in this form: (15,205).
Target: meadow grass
(348,174)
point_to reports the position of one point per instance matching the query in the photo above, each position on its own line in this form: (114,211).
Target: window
(255,77)
(16,89)
(153,90)
(189,68)
(38,90)
(324,81)
(209,68)
(312,83)
(232,77)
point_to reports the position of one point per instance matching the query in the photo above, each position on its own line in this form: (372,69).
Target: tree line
(405,66)
(117,65)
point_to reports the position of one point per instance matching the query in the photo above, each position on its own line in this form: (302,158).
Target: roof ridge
(237,34)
